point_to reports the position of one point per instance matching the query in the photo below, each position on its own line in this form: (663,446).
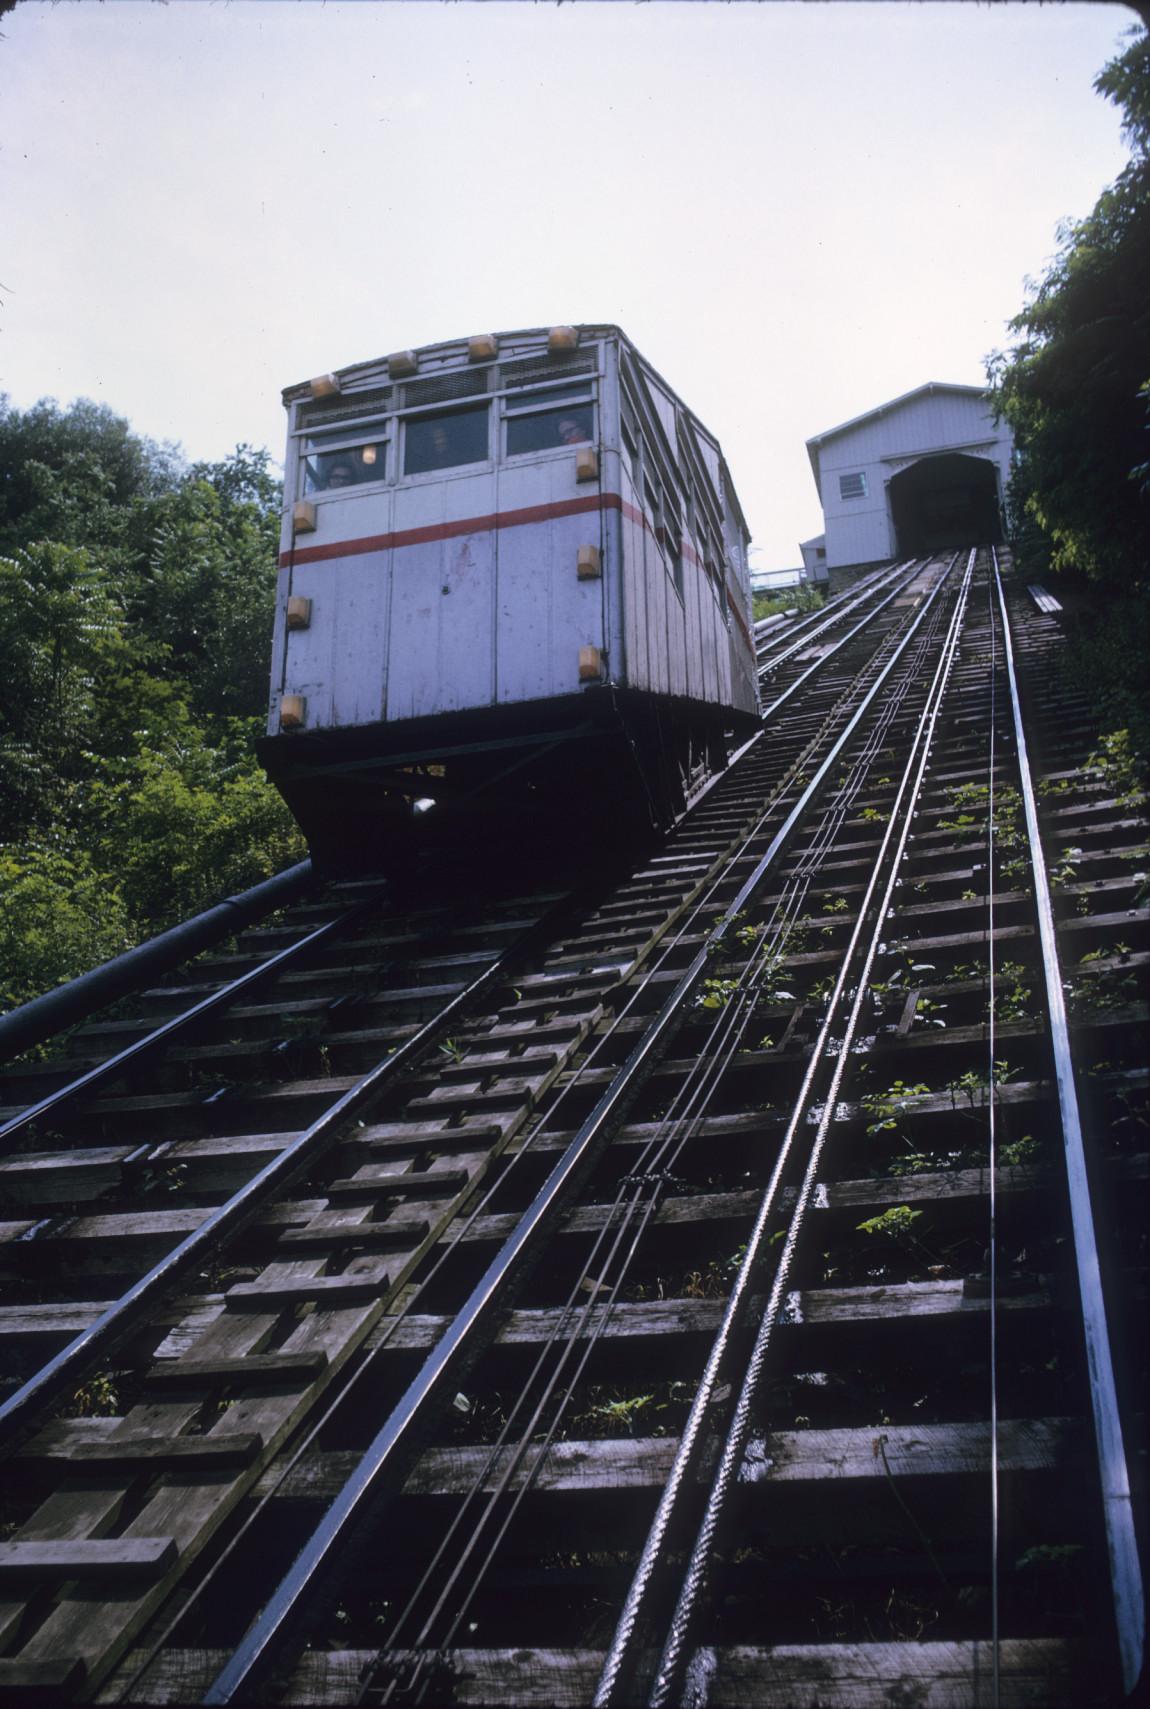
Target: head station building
(923,473)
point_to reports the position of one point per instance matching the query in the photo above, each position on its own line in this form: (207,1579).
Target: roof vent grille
(467,384)
(346,408)
(549,368)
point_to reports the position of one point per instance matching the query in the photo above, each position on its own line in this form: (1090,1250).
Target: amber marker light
(562,338)
(293,710)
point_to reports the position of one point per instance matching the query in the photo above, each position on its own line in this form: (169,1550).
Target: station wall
(854,464)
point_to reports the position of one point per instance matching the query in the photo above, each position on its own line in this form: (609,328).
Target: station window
(543,420)
(329,470)
(852,486)
(444,441)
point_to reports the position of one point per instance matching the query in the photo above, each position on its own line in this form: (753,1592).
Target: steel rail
(345,1390)
(726,1473)
(817,664)
(992,1167)
(160,1037)
(614,1680)
(825,619)
(739,1426)
(35,1021)
(378,1472)
(702,903)
(812,622)
(651,1169)
(1121,1540)
(21,1412)
(867,584)
(623,1233)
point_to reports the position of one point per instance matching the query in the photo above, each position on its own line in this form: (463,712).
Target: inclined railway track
(638,1346)
(777,641)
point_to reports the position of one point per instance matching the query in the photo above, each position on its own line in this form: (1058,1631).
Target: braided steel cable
(668,1673)
(663,1150)
(668,945)
(366,1486)
(620,1655)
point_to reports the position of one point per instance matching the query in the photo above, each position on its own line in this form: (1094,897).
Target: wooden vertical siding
(545,613)
(459,618)
(684,646)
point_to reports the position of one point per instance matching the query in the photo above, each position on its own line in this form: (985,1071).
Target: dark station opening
(943,502)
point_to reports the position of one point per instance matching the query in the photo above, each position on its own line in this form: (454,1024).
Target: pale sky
(796,211)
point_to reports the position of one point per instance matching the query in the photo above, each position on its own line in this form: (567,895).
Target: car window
(443,441)
(545,429)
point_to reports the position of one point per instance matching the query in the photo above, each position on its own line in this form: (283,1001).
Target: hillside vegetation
(1075,388)
(137,595)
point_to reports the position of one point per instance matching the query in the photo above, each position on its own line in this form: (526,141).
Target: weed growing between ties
(97,1398)
(801,598)
(1102,980)
(595,1411)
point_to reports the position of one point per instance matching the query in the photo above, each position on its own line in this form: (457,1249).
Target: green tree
(67,475)
(138,597)
(58,916)
(1073,385)
(63,634)
(208,592)
(1074,388)
(189,822)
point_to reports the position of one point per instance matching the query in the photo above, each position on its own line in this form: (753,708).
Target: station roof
(818,440)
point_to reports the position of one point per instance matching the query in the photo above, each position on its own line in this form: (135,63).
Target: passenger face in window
(543,430)
(443,442)
(353,466)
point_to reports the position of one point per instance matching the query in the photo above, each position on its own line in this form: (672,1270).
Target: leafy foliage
(1075,388)
(57,916)
(138,597)
(801,598)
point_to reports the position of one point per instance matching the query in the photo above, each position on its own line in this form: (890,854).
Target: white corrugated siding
(859,530)
(498,614)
